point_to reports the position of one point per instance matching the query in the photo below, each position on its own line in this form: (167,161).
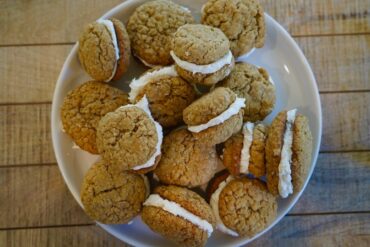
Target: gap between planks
(293,36)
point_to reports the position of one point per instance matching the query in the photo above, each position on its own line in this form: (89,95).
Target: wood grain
(340,183)
(343,68)
(346,121)
(37,196)
(40,22)
(29,73)
(317,17)
(319,230)
(25,136)
(326,230)
(35,69)
(89,236)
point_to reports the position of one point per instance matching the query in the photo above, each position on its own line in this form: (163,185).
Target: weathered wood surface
(35,69)
(46,22)
(36,208)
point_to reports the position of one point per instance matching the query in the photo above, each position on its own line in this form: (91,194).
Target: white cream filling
(233,109)
(214,205)
(285,179)
(138,84)
(247,143)
(109,25)
(144,62)
(143,104)
(203,69)
(175,209)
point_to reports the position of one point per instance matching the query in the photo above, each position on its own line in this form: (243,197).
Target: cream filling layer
(147,185)
(247,143)
(285,178)
(214,205)
(203,69)
(233,109)
(144,104)
(156,200)
(109,25)
(144,62)
(138,84)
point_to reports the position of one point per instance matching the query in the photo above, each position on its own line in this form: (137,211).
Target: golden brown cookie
(129,138)
(202,54)
(186,161)
(242,21)
(84,106)
(112,198)
(167,93)
(104,50)
(216,116)
(173,211)
(252,84)
(151,28)
(242,206)
(244,152)
(287,175)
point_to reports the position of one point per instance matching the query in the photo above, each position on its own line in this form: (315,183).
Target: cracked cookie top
(151,28)
(127,137)
(111,197)
(200,44)
(84,106)
(253,84)
(104,52)
(186,161)
(168,96)
(246,206)
(242,21)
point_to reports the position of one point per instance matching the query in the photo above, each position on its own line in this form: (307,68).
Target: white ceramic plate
(295,88)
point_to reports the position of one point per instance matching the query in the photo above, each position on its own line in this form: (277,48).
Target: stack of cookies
(192,120)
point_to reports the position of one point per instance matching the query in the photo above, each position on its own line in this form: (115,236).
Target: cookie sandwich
(244,152)
(202,54)
(242,21)
(185,160)
(130,139)
(288,153)
(255,86)
(216,116)
(110,197)
(151,28)
(242,206)
(179,215)
(167,93)
(84,106)
(104,49)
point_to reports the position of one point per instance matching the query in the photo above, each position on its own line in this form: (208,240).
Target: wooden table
(36,208)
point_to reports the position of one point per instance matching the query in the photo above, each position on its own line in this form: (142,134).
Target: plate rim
(244,240)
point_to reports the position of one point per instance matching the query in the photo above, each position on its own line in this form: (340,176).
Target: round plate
(295,88)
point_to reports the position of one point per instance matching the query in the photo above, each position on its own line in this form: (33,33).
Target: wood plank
(40,22)
(319,230)
(317,17)
(346,121)
(326,230)
(343,68)
(37,196)
(345,128)
(35,69)
(89,236)
(340,183)
(29,73)
(25,136)
(37,22)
